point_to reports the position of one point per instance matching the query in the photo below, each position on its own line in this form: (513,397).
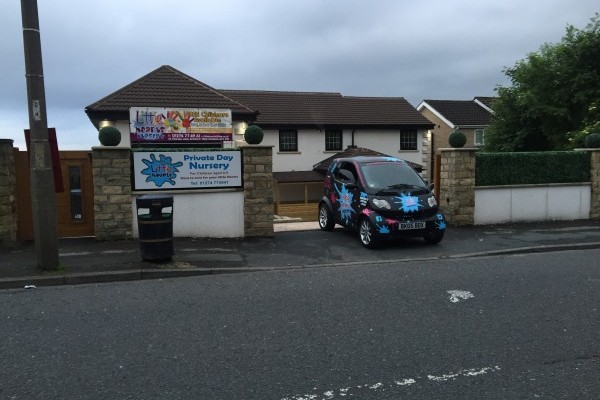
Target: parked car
(380,197)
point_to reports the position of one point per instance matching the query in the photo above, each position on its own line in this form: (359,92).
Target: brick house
(471,117)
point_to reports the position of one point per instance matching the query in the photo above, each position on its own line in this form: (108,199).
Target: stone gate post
(457,185)
(8,195)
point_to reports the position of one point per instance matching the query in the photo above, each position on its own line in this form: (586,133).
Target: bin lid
(148,200)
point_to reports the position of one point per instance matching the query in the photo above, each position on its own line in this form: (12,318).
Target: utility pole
(43,200)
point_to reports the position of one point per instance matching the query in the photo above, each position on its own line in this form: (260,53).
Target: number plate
(411,225)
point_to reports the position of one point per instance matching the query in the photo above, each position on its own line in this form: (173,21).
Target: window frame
(338,138)
(293,146)
(475,134)
(413,140)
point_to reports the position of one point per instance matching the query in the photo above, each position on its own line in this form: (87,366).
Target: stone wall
(595,179)
(112,193)
(258,191)
(8,195)
(457,185)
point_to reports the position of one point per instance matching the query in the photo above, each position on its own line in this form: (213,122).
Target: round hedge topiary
(253,134)
(457,139)
(592,141)
(109,136)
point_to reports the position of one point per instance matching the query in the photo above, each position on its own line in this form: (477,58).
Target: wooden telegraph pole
(43,200)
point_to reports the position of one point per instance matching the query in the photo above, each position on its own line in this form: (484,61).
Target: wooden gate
(74,206)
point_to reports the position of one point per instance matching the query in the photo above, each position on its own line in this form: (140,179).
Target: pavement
(295,245)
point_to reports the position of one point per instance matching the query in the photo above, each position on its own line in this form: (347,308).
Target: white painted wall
(501,204)
(311,147)
(218,214)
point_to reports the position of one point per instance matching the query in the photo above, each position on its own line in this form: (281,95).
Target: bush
(253,134)
(457,139)
(109,136)
(531,168)
(592,141)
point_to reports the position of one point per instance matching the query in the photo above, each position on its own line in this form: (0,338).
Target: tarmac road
(522,326)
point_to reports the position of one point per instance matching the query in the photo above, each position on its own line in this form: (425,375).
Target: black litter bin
(155,226)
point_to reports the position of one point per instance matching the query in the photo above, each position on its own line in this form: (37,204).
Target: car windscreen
(393,177)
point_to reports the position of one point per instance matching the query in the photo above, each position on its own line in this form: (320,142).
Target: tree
(554,100)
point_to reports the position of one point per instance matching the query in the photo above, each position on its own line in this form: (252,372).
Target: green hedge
(529,168)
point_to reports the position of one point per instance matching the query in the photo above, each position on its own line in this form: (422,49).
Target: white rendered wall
(496,205)
(204,214)
(311,147)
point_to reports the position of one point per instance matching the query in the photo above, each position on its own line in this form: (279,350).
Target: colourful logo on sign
(161,171)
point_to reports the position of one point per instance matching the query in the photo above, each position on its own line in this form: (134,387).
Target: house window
(288,140)
(479,137)
(333,140)
(408,140)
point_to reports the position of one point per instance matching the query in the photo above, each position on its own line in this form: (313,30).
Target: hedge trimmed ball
(109,136)
(253,134)
(592,141)
(457,139)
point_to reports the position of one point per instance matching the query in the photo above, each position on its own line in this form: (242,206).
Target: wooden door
(74,206)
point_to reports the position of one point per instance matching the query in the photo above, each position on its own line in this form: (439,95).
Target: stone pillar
(595,179)
(258,191)
(457,185)
(113,214)
(8,194)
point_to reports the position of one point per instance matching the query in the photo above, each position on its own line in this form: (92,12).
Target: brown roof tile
(329,109)
(461,112)
(166,87)
(350,151)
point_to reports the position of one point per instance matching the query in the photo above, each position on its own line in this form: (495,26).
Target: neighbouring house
(304,128)
(471,117)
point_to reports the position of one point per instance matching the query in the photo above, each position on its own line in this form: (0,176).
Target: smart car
(380,197)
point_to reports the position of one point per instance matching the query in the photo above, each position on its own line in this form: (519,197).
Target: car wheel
(367,233)
(433,237)
(325,218)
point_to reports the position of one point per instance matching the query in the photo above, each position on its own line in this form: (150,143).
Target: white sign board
(164,170)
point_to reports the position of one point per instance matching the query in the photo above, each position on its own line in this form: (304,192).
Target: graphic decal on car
(441,225)
(345,200)
(363,198)
(383,229)
(409,203)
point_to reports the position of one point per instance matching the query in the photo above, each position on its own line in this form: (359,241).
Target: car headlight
(380,203)
(431,201)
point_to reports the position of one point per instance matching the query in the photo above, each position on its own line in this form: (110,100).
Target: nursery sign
(179,125)
(156,170)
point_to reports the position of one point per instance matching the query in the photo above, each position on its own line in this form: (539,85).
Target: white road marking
(458,295)
(348,391)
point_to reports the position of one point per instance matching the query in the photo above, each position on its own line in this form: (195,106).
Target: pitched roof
(460,112)
(328,109)
(298,176)
(166,87)
(351,151)
(486,101)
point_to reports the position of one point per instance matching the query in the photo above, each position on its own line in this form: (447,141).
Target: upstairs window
(288,140)
(408,140)
(333,140)
(479,137)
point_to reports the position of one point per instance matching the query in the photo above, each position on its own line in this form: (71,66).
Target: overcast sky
(438,49)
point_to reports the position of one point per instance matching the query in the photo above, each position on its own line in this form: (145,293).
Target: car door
(344,194)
